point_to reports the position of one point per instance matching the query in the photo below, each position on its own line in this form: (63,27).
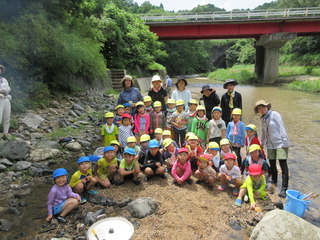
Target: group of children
(151,142)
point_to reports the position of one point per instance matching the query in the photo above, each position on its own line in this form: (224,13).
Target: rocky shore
(34,151)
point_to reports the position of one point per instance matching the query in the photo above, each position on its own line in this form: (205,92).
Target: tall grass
(308,86)
(245,73)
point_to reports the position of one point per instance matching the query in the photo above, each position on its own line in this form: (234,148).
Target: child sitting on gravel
(61,199)
(153,161)
(109,131)
(129,167)
(254,186)
(181,169)
(230,174)
(205,172)
(170,153)
(83,180)
(106,167)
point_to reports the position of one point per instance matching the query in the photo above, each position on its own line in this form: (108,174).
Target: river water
(300,112)
(301,116)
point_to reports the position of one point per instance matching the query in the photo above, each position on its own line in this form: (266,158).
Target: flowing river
(300,113)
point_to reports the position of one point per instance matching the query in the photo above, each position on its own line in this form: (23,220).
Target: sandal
(238,202)
(221,187)
(235,192)
(93,192)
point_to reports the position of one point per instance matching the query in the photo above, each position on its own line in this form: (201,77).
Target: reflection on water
(301,115)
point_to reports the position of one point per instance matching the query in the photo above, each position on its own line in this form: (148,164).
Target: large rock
(43,154)
(32,120)
(47,144)
(73,146)
(22,165)
(142,207)
(14,150)
(282,225)
(101,200)
(5,225)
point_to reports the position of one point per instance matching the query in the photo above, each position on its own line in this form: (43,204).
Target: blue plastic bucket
(295,204)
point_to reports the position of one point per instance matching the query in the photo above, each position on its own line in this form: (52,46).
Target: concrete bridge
(271,28)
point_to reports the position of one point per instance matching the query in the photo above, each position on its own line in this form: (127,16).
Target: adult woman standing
(5,106)
(274,135)
(181,92)
(157,92)
(129,94)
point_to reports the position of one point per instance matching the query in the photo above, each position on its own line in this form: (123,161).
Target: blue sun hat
(130,151)
(108,148)
(127,105)
(59,172)
(153,144)
(83,159)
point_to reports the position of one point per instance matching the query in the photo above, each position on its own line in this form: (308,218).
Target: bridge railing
(234,15)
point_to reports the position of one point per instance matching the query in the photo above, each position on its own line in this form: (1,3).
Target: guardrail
(234,15)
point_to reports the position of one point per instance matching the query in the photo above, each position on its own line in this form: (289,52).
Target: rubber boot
(274,171)
(285,178)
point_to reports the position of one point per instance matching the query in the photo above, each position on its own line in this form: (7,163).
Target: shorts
(58,208)
(279,153)
(103,176)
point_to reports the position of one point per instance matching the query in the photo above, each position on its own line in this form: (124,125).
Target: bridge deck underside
(234,30)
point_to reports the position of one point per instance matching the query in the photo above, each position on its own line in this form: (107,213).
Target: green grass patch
(66,132)
(308,86)
(241,73)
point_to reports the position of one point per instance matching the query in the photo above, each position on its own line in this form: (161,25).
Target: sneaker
(61,219)
(163,176)
(238,202)
(136,182)
(198,181)
(282,193)
(93,192)
(83,200)
(210,188)
(221,187)
(189,181)
(246,198)
(174,182)
(235,192)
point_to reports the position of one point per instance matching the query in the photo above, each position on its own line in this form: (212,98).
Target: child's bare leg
(91,183)
(210,180)
(104,182)
(198,175)
(238,182)
(242,192)
(148,171)
(222,179)
(70,204)
(112,171)
(79,188)
(160,170)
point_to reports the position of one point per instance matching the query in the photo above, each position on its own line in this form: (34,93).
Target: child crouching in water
(153,162)
(129,166)
(61,199)
(205,172)
(181,169)
(83,180)
(230,173)
(254,186)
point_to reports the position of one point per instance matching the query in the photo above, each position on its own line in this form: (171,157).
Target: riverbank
(188,212)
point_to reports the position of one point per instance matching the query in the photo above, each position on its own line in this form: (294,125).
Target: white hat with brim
(263,103)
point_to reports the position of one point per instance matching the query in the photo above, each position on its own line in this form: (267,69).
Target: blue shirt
(169,82)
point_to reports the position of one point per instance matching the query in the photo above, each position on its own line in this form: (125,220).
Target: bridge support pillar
(267,55)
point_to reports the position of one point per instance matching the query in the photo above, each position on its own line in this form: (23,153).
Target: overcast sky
(228,5)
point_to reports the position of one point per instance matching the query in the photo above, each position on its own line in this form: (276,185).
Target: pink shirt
(185,168)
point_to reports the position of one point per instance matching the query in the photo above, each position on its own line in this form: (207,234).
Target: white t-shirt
(215,127)
(234,172)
